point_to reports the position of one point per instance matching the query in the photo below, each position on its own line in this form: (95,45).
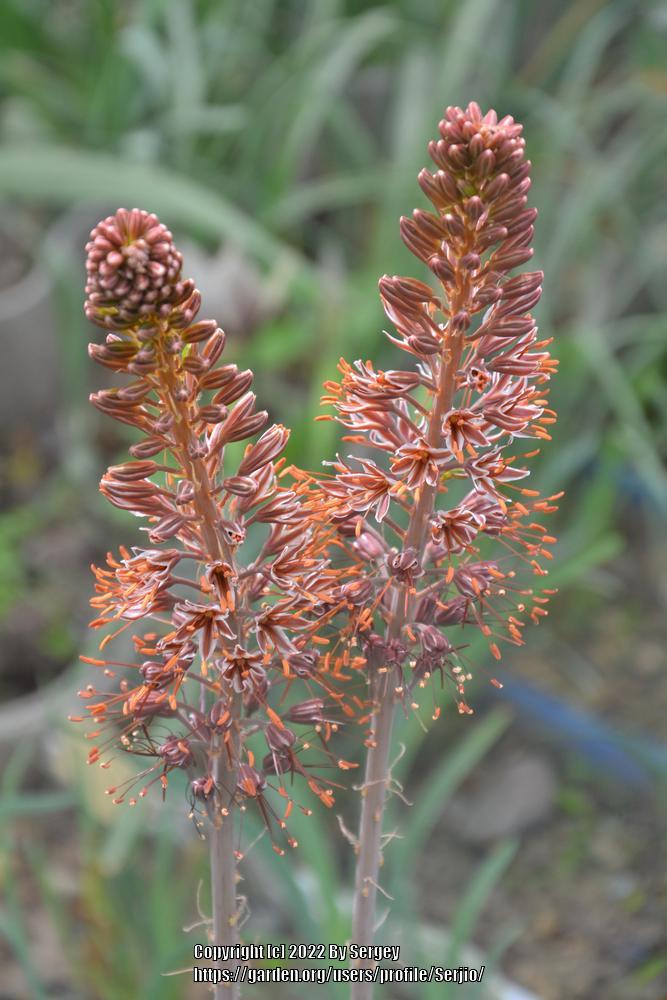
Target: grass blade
(62,175)
(482,885)
(435,792)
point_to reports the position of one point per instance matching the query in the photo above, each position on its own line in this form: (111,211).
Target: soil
(587,891)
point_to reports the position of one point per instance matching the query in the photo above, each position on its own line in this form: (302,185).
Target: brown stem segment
(377,774)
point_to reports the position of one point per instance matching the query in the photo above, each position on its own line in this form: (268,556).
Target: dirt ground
(587,890)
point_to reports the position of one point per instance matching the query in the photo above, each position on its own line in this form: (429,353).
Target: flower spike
(234,589)
(443,526)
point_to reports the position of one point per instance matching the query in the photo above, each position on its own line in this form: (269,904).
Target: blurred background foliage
(280,140)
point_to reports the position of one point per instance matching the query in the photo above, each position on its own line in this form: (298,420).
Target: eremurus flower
(222,628)
(445,528)
(440,473)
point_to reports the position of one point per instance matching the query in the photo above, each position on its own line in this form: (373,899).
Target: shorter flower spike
(229,631)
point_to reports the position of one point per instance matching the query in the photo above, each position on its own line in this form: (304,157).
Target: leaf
(27,804)
(622,400)
(470,907)
(325,194)
(354,39)
(476,896)
(435,791)
(62,175)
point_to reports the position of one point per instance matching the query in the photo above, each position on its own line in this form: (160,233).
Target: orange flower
(223,620)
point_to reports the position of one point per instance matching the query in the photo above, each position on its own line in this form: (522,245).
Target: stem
(377,774)
(224,766)
(370,834)
(223,879)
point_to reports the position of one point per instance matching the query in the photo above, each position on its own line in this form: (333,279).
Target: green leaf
(34,804)
(476,896)
(12,928)
(61,175)
(353,40)
(436,790)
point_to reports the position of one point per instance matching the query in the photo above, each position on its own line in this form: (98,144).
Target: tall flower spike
(227,635)
(441,521)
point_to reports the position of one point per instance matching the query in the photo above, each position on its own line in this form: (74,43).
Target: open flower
(417,463)
(463,429)
(456,529)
